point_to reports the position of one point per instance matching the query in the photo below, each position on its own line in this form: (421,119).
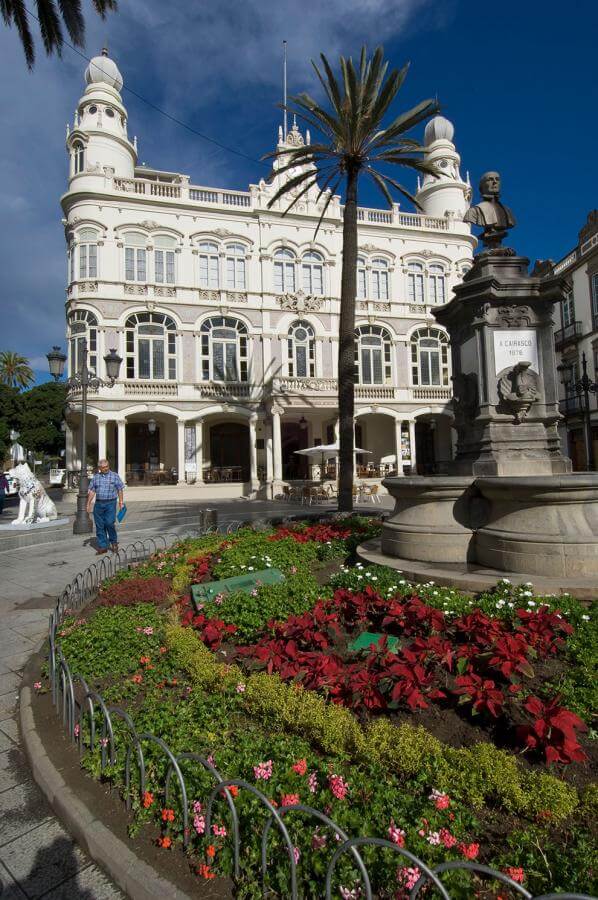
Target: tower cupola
(446,194)
(98,143)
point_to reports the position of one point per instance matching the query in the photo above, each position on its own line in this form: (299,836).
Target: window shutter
(301,362)
(241,274)
(361,283)
(318,286)
(144,358)
(159,265)
(377,365)
(158,354)
(218,361)
(141,265)
(424,366)
(83,261)
(435,366)
(93,261)
(213,279)
(366,367)
(230,272)
(129,264)
(278,280)
(231,362)
(170,267)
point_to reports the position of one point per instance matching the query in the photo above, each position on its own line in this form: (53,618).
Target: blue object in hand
(121,513)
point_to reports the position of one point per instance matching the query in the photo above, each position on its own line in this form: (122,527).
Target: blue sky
(517,79)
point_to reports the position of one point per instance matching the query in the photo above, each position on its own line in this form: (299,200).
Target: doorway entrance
(424,448)
(229,451)
(293,437)
(142,451)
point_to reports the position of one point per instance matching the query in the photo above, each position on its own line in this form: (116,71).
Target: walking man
(106,487)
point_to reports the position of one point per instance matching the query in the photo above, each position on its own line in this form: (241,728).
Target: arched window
(429,357)
(83,326)
(164,259)
(301,343)
(415,282)
(437,293)
(135,256)
(78,157)
(284,270)
(223,349)
(209,265)
(361,279)
(235,267)
(151,347)
(373,355)
(87,240)
(379,279)
(312,273)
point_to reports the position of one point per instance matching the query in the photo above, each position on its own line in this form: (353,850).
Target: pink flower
(199,823)
(300,767)
(289,800)
(449,840)
(312,782)
(350,894)
(338,786)
(408,876)
(77,730)
(296,854)
(219,830)
(37,685)
(263,770)
(441,801)
(469,851)
(240,688)
(211,759)
(433,838)
(104,742)
(318,841)
(396,835)
(293,570)
(218,599)
(516,873)
(253,592)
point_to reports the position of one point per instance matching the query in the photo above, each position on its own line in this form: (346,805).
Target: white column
(269,455)
(277,445)
(199,450)
(181,450)
(101,439)
(398,429)
(122,448)
(412,446)
(253,452)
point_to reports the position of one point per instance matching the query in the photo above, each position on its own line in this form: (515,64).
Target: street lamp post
(83,380)
(586,387)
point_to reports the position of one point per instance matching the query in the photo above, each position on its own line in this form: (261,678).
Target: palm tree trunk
(346,346)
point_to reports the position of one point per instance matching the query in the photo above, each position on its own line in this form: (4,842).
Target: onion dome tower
(98,143)
(447,195)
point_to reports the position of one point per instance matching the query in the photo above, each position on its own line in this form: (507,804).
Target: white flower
(530,603)
(585,618)
(434,593)
(374,578)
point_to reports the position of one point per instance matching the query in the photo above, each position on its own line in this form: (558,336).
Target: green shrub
(250,613)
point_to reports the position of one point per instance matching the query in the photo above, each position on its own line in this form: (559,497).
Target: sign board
(514,346)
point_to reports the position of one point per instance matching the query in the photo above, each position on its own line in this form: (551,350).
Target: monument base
(35,526)
(537,525)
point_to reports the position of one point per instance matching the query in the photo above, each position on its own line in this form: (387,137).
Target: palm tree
(354,143)
(15,12)
(15,370)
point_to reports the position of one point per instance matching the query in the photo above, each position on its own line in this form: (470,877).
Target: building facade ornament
(210,296)
(136,289)
(87,287)
(149,224)
(165,291)
(300,302)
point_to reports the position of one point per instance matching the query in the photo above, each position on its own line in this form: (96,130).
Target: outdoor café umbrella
(324,451)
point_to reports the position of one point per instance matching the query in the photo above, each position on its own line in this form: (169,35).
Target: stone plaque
(514,346)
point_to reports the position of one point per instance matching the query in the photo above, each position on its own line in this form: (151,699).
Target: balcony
(432,393)
(157,389)
(570,334)
(230,390)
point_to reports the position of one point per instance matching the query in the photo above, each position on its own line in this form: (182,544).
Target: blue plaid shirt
(106,485)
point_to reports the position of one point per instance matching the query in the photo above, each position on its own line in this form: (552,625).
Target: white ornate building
(226,314)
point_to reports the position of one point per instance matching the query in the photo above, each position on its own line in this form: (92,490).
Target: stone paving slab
(42,859)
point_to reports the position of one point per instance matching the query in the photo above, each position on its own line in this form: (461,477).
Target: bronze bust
(490,214)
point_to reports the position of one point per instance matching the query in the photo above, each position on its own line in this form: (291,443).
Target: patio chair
(306,496)
(374,493)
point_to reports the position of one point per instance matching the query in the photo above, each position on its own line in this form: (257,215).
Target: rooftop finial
(105,50)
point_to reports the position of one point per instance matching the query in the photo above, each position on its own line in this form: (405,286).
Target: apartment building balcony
(570,334)
(313,387)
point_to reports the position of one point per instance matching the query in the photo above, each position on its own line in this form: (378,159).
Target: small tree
(354,143)
(51,18)
(41,416)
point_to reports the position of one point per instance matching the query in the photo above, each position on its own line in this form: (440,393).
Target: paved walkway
(37,857)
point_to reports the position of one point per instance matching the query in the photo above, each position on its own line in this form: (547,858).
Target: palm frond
(49,26)
(14,11)
(70,10)
(290,185)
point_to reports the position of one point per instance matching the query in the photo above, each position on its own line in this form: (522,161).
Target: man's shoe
(101,550)
(114,548)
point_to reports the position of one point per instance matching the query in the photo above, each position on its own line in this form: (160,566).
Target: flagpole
(284,90)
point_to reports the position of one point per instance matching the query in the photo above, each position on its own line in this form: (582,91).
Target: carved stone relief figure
(518,388)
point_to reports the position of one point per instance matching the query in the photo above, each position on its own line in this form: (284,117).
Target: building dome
(438,129)
(103,70)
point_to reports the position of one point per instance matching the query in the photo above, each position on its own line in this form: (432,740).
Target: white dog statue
(34,503)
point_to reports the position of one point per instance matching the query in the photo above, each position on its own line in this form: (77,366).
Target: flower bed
(264,686)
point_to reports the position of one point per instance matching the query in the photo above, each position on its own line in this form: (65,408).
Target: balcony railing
(431,393)
(570,334)
(230,390)
(151,389)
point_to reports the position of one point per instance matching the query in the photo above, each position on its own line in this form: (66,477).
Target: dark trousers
(104,516)
(2,495)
